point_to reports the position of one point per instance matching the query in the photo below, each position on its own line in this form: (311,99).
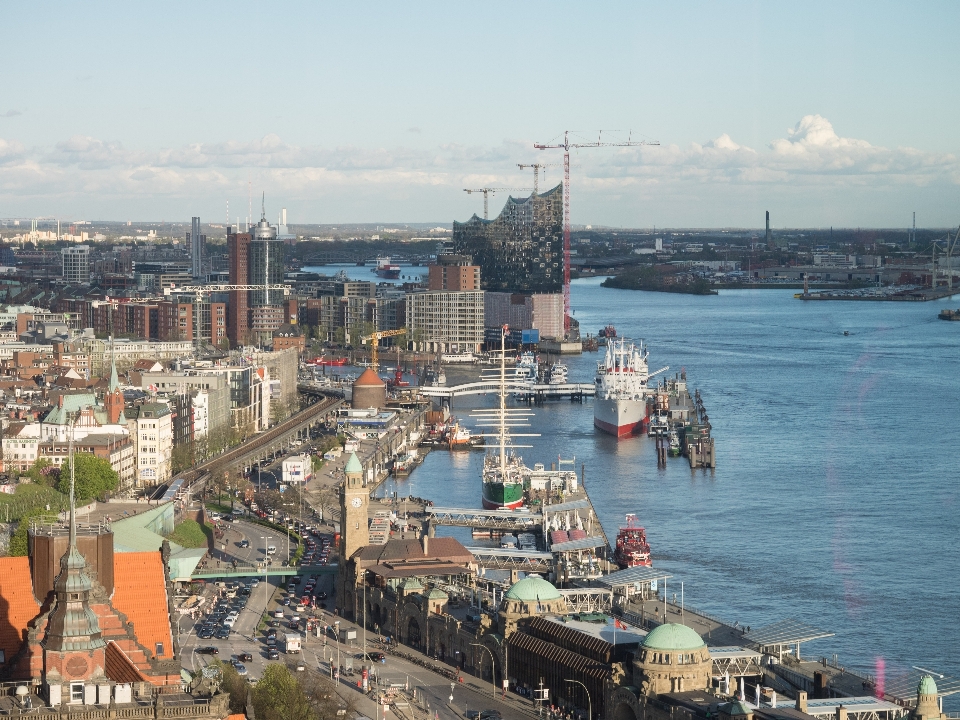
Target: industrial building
(521,250)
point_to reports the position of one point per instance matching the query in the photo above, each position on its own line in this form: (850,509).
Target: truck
(346,634)
(290,642)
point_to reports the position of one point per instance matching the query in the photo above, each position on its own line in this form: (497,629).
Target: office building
(76,265)
(238,320)
(521,250)
(445,321)
(536,311)
(256,258)
(197,243)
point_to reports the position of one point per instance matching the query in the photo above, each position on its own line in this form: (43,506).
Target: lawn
(192,534)
(29,497)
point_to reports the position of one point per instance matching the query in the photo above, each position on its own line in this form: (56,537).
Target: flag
(619,624)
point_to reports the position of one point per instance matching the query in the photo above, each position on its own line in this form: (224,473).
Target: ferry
(558,374)
(632,549)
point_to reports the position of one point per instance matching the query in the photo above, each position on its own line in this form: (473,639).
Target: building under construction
(521,250)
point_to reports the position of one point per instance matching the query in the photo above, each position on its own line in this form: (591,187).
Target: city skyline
(372,114)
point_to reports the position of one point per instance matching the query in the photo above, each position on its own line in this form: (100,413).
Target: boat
(674,442)
(503,470)
(620,407)
(632,549)
(609,332)
(386,269)
(526,368)
(558,374)
(458,435)
(403,464)
(659,424)
(948,314)
(329,362)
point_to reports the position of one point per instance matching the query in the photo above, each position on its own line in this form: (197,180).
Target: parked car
(208,650)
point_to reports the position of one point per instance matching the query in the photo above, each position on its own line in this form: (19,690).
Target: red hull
(623,430)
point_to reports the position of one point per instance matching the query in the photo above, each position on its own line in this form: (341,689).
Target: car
(245,657)
(321,595)
(222,633)
(271,642)
(241,669)
(285,602)
(273,654)
(372,657)
(293,625)
(205,633)
(273,624)
(229,622)
(244,543)
(278,613)
(208,650)
(484,715)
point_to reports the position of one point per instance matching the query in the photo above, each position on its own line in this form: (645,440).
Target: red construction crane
(490,191)
(566,145)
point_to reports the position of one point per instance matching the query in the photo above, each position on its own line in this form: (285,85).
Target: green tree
(19,544)
(43,472)
(280,696)
(234,685)
(182,457)
(94,477)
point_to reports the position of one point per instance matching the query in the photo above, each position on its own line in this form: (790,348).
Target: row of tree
(284,695)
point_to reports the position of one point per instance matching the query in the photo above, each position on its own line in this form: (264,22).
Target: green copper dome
(353,464)
(532,589)
(927,686)
(672,636)
(738,708)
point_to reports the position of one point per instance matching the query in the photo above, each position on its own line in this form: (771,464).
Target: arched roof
(673,636)
(532,589)
(368,378)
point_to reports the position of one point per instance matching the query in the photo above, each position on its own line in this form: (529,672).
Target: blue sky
(839,114)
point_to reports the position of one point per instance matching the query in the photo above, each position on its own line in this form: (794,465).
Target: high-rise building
(445,321)
(238,320)
(521,250)
(266,268)
(76,265)
(198,248)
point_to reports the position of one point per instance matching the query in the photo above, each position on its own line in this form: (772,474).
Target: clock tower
(354,531)
(353,509)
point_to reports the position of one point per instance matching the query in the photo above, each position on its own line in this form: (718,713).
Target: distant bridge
(525,389)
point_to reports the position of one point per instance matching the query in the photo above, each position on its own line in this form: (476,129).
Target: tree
(43,472)
(234,685)
(94,477)
(279,696)
(19,543)
(182,457)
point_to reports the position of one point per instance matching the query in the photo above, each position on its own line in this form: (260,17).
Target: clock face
(357,502)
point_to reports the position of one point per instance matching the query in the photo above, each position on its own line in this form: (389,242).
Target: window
(160,649)
(76,692)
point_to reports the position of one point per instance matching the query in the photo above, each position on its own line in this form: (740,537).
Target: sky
(824,113)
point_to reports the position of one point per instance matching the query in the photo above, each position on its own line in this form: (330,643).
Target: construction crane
(566,146)
(490,191)
(537,167)
(375,339)
(201,291)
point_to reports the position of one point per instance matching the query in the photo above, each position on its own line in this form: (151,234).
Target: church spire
(114,379)
(73,625)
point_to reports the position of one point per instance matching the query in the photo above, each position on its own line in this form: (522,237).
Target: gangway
(511,559)
(484,519)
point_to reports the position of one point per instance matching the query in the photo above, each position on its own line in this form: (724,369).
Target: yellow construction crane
(374,339)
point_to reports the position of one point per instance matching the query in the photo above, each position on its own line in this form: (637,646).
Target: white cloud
(810,155)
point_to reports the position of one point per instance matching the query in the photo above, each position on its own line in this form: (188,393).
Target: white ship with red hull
(620,407)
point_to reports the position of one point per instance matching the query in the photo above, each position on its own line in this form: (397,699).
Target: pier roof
(785,632)
(867,705)
(632,576)
(562,507)
(587,543)
(906,686)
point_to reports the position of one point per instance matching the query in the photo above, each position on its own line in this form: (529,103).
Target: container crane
(374,339)
(566,146)
(490,191)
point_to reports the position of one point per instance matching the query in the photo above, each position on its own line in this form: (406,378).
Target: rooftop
(532,589)
(673,636)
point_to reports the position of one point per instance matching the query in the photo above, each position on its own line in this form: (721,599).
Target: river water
(835,500)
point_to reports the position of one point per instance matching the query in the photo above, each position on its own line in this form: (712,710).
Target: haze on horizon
(824,114)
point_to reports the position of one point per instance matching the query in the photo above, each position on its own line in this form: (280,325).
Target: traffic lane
(435,689)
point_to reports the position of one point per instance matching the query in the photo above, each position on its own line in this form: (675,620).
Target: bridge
(506,520)
(512,559)
(244,571)
(517,387)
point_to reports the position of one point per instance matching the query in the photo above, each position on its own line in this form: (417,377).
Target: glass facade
(521,250)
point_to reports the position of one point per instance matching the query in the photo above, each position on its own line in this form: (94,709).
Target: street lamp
(493,669)
(336,630)
(589,703)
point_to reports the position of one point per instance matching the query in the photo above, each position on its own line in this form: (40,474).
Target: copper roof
(369,378)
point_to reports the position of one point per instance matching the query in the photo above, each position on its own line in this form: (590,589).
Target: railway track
(237,455)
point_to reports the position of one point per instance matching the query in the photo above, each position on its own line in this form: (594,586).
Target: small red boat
(608,332)
(633,550)
(331,362)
